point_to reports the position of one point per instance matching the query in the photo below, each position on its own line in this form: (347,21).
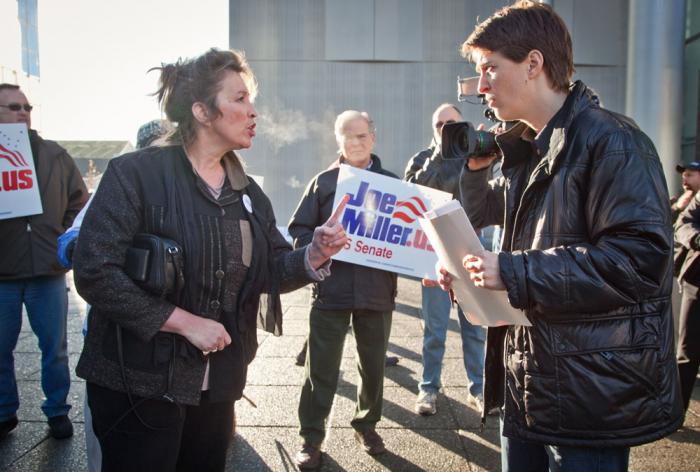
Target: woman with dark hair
(163,372)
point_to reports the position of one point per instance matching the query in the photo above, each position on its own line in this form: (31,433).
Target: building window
(29,26)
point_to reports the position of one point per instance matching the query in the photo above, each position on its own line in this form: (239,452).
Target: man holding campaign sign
(384,237)
(41,192)
(352,294)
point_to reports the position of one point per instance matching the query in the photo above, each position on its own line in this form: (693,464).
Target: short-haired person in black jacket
(163,373)
(354,295)
(586,255)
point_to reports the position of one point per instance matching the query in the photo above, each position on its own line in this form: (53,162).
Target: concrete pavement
(266,436)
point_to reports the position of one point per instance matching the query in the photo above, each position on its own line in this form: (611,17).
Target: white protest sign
(381,221)
(19,187)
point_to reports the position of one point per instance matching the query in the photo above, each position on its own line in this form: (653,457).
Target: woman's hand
(328,238)
(444,279)
(484,270)
(206,335)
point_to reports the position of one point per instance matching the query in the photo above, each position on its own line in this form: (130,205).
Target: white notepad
(452,236)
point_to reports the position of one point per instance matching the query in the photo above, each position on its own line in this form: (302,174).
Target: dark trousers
(327,331)
(159,435)
(525,456)
(688,354)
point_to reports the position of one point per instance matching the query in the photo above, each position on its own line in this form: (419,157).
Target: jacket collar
(375,166)
(516,150)
(235,171)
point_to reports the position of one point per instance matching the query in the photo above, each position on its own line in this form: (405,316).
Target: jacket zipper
(528,187)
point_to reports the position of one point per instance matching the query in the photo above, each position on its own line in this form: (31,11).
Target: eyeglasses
(18,106)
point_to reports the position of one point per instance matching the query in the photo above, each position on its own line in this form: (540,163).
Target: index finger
(338,210)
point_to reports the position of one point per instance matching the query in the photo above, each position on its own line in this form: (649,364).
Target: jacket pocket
(608,373)
(153,356)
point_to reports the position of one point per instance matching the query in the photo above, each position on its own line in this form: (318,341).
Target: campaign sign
(381,222)
(19,188)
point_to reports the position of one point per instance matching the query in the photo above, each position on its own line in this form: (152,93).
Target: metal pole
(654,96)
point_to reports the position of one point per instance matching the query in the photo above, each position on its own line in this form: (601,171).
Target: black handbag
(156,264)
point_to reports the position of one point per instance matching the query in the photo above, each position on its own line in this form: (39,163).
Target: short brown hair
(515,30)
(188,81)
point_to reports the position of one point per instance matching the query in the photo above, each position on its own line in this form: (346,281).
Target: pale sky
(95,53)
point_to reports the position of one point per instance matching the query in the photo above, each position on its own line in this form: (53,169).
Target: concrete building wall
(691,80)
(396,59)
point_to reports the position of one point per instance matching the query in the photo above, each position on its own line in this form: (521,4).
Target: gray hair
(349,115)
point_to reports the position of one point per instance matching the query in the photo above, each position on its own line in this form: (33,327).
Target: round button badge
(247,204)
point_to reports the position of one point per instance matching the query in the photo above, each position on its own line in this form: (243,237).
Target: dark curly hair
(188,81)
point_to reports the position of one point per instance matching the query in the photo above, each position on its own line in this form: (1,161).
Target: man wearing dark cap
(686,256)
(150,133)
(690,174)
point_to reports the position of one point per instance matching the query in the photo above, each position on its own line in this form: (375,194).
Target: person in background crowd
(357,296)
(690,177)
(163,372)
(687,250)
(390,361)
(586,254)
(430,169)
(30,275)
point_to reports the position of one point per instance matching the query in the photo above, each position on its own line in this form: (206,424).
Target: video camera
(461,140)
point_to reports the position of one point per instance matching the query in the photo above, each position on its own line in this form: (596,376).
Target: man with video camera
(586,254)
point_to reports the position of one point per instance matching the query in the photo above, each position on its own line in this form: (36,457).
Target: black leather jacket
(134,197)
(588,256)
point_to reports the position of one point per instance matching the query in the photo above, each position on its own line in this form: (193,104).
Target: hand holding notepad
(452,236)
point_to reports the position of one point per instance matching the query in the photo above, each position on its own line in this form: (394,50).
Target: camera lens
(462,141)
